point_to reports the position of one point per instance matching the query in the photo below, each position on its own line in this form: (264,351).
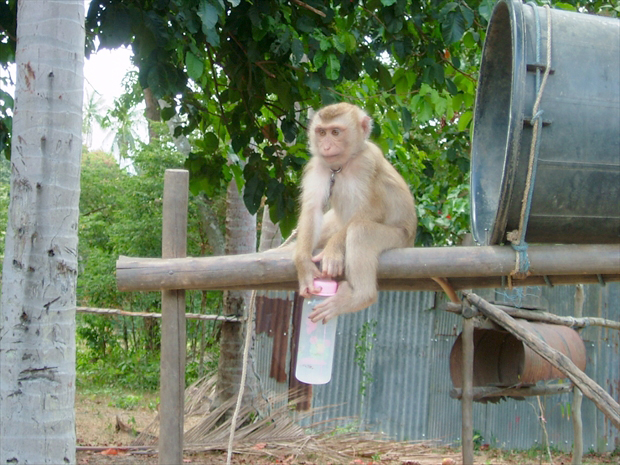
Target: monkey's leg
(331,225)
(365,240)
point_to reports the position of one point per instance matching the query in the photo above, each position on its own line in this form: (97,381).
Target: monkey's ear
(366,124)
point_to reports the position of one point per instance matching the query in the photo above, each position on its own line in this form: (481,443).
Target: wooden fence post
(172,364)
(467,404)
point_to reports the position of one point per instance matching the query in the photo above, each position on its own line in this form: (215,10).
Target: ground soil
(107,421)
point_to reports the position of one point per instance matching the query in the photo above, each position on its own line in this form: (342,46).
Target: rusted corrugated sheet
(408,398)
(271,351)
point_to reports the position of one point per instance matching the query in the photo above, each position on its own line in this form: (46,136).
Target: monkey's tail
(448,289)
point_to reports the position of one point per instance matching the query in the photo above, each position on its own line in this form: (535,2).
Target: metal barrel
(576,182)
(502,360)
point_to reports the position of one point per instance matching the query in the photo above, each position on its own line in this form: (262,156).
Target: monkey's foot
(345,301)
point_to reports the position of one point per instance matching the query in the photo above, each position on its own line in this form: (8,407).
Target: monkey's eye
(335,132)
(322,132)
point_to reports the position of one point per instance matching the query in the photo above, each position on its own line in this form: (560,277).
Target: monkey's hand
(306,272)
(332,261)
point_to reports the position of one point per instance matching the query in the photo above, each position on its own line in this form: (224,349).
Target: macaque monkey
(371,210)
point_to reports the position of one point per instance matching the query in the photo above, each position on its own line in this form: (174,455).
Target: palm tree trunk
(37,324)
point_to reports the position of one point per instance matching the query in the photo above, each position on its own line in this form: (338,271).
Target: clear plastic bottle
(315,353)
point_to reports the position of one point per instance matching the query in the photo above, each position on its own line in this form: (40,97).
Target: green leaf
(313,81)
(464,120)
(402,85)
(289,129)
(350,42)
(195,66)
(167,113)
(211,142)
(403,81)
(208,14)
(486,8)
(468,40)
(565,6)
(332,71)
(453,27)
(297,51)
(406,118)
(319,59)
(253,193)
(468,15)
(324,44)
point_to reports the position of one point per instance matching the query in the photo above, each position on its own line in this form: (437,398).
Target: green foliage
(267,62)
(8,34)
(363,347)
(121,215)
(5,173)
(478,439)
(137,370)
(126,402)
(242,75)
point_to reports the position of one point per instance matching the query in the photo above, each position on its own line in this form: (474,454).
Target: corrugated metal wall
(408,397)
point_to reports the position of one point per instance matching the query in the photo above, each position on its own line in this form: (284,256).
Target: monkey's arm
(309,221)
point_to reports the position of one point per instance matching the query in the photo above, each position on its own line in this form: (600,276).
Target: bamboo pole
(600,397)
(172,374)
(410,268)
(189,316)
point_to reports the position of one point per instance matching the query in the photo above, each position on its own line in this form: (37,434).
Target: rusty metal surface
(500,359)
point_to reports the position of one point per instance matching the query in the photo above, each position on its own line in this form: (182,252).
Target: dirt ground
(108,421)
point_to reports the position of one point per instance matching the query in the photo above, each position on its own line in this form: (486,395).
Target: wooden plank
(409,268)
(172,373)
(601,398)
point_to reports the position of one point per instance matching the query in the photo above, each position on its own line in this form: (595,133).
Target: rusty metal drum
(502,360)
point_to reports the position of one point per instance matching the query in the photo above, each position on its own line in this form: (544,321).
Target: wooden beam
(545,317)
(484,392)
(600,397)
(407,269)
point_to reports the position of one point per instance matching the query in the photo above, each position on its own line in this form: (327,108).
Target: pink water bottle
(315,352)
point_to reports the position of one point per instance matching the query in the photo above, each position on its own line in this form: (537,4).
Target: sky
(103,75)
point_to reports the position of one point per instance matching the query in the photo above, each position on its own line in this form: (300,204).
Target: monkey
(371,209)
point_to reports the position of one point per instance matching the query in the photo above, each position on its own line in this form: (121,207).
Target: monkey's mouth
(330,157)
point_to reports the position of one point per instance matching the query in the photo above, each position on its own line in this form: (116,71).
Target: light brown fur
(372,210)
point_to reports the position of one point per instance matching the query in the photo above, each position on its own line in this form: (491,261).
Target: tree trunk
(37,333)
(270,234)
(240,238)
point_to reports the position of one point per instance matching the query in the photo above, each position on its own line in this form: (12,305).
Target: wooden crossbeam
(406,269)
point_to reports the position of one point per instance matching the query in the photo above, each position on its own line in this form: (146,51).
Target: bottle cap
(328,287)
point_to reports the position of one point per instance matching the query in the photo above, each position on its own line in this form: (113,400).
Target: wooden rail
(404,269)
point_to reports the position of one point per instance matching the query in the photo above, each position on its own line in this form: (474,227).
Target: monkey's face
(331,140)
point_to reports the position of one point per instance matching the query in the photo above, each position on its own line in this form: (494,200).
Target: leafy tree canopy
(242,75)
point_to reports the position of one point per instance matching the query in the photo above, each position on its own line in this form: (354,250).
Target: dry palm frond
(277,434)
